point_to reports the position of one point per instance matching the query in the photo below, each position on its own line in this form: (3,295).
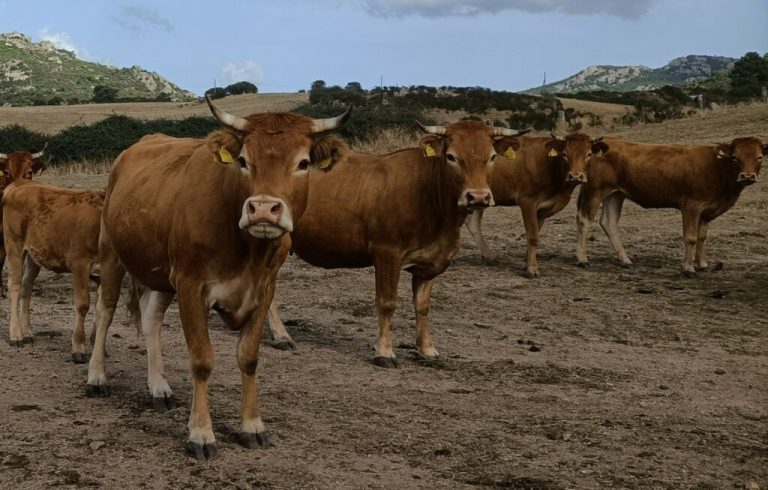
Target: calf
(401,211)
(55,228)
(539,178)
(702,181)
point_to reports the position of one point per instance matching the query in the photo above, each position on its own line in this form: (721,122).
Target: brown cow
(701,181)
(181,222)
(539,178)
(399,211)
(55,228)
(15,166)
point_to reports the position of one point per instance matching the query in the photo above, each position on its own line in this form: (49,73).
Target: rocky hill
(38,73)
(677,72)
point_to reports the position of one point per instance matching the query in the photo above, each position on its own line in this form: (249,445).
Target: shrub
(103,93)
(241,88)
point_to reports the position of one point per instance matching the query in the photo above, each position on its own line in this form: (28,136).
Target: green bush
(241,88)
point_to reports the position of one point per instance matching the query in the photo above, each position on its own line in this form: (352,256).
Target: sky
(284,45)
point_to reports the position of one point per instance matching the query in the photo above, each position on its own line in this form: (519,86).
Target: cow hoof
(530,274)
(79,358)
(284,344)
(27,340)
(201,451)
(163,403)
(15,343)
(583,265)
(626,265)
(689,274)
(385,362)
(253,440)
(96,391)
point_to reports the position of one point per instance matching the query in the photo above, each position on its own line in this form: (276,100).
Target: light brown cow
(181,222)
(539,178)
(55,228)
(401,211)
(702,181)
(15,166)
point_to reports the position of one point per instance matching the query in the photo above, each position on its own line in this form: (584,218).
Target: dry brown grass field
(584,378)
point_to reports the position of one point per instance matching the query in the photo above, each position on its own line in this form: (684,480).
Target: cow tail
(134,308)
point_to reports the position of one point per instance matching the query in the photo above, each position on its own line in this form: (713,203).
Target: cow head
(275,152)
(744,155)
(21,165)
(576,150)
(469,148)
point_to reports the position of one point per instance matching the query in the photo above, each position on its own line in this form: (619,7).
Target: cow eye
(450,157)
(303,165)
(493,157)
(242,162)
(589,154)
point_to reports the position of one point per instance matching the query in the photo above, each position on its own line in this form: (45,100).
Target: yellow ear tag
(429,151)
(552,153)
(720,154)
(225,156)
(325,164)
(510,153)
(39,171)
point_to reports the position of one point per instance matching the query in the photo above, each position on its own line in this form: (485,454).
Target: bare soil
(583,378)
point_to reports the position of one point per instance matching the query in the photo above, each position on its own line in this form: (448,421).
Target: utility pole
(541,92)
(381,82)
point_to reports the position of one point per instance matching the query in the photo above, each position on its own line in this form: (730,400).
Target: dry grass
(83,167)
(52,119)
(387,141)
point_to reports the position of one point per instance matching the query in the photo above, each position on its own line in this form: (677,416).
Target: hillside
(39,73)
(677,72)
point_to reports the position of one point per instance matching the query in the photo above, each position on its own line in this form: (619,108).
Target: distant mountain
(39,72)
(678,72)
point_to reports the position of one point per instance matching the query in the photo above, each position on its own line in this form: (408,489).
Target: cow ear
(554,147)
(723,150)
(507,146)
(599,148)
(765,149)
(328,151)
(225,146)
(433,145)
(38,167)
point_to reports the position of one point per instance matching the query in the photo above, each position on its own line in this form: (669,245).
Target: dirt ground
(583,378)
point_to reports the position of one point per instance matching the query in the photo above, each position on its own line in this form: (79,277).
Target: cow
(15,166)
(539,178)
(702,181)
(401,211)
(207,220)
(46,226)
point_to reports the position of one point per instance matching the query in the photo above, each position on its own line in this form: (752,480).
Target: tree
(749,75)
(103,93)
(216,92)
(242,88)
(317,92)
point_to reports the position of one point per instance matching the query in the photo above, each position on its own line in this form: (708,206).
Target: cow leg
(280,338)
(387,277)
(82,295)
(531,224)
(2,262)
(153,305)
(609,222)
(31,270)
(422,300)
(474,225)
(690,238)
(253,434)
(112,273)
(701,253)
(15,265)
(588,204)
(201,443)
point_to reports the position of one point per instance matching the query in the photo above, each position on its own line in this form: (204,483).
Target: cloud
(136,19)
(62,40)
(247,70)
(628,9)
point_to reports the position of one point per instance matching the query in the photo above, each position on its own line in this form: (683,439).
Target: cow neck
(729,172)
(442,189)
(558,174)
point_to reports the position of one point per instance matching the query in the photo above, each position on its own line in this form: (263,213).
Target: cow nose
(577,178)
(747,178)
(479,198)
(264,211)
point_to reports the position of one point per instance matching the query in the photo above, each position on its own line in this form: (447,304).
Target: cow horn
(597,140)
(320,125)
(554,136)
(37,155)
(431,129)
(3,156)
(226,118)
(510,132)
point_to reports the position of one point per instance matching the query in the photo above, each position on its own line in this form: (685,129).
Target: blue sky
(283,45)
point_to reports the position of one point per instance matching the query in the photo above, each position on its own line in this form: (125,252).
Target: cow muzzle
(476,198)
(266,217)
(747,179)
(576,178)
